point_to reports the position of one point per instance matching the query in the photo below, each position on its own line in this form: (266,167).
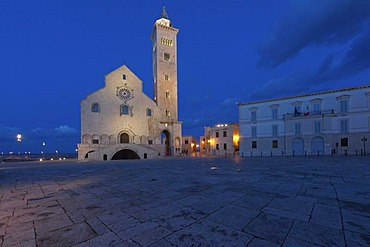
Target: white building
(119,121)
(334,121)
(220,139)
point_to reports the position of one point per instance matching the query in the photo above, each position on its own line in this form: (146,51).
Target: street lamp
(19,139)
(364,139)
(43,149)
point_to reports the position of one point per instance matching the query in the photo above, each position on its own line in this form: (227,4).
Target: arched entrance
(298,146)
(124,138)
(165,139)
(317,145)
(87,154)
(125,154)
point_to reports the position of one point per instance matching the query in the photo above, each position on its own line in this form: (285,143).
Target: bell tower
(165,67)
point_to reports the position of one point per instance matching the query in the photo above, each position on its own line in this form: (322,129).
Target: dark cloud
(356,59)
(314,23)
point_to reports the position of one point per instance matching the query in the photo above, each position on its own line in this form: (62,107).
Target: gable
(123,76)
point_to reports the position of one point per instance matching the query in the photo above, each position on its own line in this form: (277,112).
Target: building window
(274,113)
(217,146)
(124,77)
(166,78)
(274,130)
(95,141)
(316,107)
(95,107)
(166,56)
(317,127)
(344,126)
(167,94)
(124,110)
(254,131)
(343,106)
(275,144)
(168,113)
(297,128)
(344,142)
(224,134)
(217,134)
(149,112)
(186,141)
(254,144)
(253,116)
(225,146)
(150,142)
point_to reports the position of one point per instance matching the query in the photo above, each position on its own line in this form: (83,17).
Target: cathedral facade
(119,121)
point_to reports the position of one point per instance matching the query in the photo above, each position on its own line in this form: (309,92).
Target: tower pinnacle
(164,13)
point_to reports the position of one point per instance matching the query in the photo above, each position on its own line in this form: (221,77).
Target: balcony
(311,114)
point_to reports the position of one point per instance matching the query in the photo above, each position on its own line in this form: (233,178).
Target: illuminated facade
(329,122)
(220,139)
(189,144)
(119,121)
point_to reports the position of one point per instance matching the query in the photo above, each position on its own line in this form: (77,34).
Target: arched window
(124,77)
(95,107)
(124,110)
(149,112)
(124,138)
(168,113)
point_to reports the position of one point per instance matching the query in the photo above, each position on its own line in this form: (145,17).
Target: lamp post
(43,149)
(364,139)
(19,139)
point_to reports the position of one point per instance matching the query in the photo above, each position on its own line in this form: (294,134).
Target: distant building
(189,144)
(220,139)
(119,121)
(333,121)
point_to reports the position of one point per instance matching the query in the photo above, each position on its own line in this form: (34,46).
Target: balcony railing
(309,114)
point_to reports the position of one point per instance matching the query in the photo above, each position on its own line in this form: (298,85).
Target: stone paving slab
(279,201)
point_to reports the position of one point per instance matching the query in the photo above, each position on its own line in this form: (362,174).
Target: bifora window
(166,56)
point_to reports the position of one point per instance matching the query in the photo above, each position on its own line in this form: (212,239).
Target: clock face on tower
(124,93)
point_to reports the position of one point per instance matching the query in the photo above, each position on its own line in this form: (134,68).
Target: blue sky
(54,53)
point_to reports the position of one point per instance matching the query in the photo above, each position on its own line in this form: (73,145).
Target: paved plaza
(198,201)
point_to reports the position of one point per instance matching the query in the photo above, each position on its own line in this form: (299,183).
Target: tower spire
(164,13)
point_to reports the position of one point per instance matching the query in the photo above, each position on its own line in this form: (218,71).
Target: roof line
(305,95)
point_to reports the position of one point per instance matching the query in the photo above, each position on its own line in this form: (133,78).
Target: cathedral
(119,121)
